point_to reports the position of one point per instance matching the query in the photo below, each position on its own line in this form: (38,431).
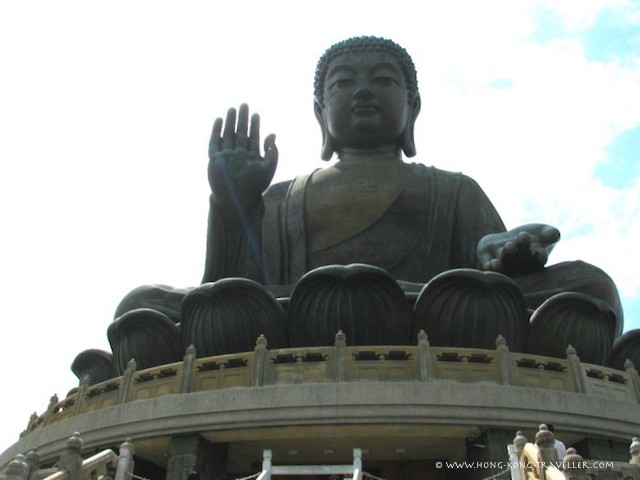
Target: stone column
(603,449)
(192,457)
(487,450)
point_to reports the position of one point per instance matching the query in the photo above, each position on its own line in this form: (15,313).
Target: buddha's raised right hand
(238,175)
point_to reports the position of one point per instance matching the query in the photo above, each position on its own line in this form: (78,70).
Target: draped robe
(432,225)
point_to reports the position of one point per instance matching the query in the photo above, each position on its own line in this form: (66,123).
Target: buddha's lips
(364,108)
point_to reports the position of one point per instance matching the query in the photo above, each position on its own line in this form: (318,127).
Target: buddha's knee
(571,276)
(162,298)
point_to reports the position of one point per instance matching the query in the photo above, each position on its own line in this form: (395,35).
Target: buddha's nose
(363,93)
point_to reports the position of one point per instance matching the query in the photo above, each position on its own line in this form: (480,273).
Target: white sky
(106,110)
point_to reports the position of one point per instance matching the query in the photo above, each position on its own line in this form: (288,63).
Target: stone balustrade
(103,465)
(540,461)
(342,363)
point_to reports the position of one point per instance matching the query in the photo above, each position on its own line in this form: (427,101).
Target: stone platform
(314,405)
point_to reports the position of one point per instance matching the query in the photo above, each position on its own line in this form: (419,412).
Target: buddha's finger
(254,134)
(550,235)
(493,265)
(541,255)
(510,248)
(228,137)
(485,259)
(524,239)
(214,141)
(243,124)
(271,153)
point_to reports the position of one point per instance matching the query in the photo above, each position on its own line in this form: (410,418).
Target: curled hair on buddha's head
(361,45)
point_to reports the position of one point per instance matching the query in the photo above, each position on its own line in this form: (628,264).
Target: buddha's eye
(342,83)
(384,80)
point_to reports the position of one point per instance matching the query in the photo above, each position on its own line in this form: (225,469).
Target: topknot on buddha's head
(361,45)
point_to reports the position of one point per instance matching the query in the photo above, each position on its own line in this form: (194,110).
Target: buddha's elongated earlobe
(327,145)
(408,140)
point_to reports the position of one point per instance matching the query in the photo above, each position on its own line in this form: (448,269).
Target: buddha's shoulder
(429,172)
(278,190)
(420,173)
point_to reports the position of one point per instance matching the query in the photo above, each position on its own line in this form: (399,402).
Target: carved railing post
(519,441)
(425,366)
(187,369)
(33,418)
(579,375)
(33,461)
(124,470)
(81,395)
(125,382)
(259,362)
(515,454)
(573,466)
(634,451)
(266,464)
(630,368)
(18,469)
(53,401)
(546,443)
(71,458)
(504,361)
(357,459)
(340,357)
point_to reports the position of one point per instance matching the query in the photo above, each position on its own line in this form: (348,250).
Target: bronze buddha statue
(414,222)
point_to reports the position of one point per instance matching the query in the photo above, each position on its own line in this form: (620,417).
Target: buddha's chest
(341,203)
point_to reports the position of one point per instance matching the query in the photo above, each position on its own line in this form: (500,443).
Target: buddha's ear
(327,145)
(408,140)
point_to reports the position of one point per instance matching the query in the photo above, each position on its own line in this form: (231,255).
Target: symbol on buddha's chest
(366,186)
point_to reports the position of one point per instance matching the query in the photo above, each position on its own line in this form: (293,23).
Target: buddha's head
(366,96)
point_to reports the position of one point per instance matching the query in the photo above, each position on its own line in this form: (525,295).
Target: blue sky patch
(548,26)
(610,37)
(622,166)
(501,83)
(576,232)
(631,307)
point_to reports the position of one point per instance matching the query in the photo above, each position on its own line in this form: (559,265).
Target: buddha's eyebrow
(385,66)
(341,68)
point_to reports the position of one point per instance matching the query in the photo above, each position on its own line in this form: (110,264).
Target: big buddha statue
(370,211)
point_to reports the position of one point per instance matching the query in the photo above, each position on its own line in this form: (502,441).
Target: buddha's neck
(349,156)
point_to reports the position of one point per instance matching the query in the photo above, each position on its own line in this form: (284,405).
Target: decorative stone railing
(540,461)
(340,363)
(104,465)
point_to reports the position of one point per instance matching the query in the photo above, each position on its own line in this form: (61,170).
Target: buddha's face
(365,101)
